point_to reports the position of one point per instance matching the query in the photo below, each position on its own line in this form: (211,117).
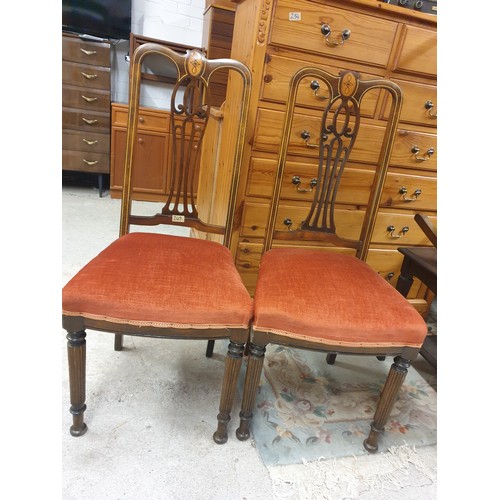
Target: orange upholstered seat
(338,300)
(157,280)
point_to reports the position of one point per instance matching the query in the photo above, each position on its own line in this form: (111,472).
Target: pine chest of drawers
(86,105)
(379,40)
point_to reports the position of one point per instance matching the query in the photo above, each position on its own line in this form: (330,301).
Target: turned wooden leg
(394,381)
(234,358)
(210,348)
(252,379)
(118,341)
(76,364)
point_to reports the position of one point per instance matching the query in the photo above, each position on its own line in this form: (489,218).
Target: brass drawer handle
(416,194)
(315,86)
(88,162)
(306,136)
(389,276)
(391,229)
(89,122)
(90,143)
(89,99)
(415,150)
(429,106)
(296,182)
(89,52)
(88,76)
(327,31)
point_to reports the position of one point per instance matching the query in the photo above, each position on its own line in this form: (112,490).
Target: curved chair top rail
(339,129)
(189,112)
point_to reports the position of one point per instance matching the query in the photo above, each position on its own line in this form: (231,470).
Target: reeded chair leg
(252,379)
(210,348)
(232,368)
(118,342)
(392,385)
(76,365)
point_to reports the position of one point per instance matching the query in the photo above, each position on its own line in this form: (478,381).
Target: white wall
(178,21)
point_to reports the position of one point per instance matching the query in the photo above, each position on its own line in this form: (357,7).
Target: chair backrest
(190,105)
(340,123)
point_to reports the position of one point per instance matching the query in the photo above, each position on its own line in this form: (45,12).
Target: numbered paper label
(294,16)
(178,218)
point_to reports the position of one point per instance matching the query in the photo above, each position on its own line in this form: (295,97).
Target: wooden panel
(417,52)
(150,156)
(276,83)
(95,77)
(78,119)
(416,95)
(86,98)
(370,40)
(83,161)
(93,142)
(77,50)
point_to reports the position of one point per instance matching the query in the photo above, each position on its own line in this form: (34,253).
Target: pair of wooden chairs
(165,286)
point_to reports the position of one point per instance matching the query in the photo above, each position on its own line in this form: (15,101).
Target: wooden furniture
(326,301)
(86,105)
(159,285)
(277,37)
(421,263)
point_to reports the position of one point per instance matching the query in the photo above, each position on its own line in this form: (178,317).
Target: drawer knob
(429,106)
(327,31)
(288,223)
(416,194)
(306,136)
(389,276)
(89,122)
(315,86)
(88,162)
(89,52)
(415,150)
(391,229)
(89,76)
(296,182)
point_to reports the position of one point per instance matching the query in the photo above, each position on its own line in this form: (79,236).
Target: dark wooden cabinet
(86,91)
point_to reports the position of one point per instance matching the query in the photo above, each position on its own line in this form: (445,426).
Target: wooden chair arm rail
(427,227)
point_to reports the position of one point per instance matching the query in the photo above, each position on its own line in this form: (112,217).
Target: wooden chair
(158,285)
(327,300)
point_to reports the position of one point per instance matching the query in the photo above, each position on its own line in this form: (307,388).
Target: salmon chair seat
(148,283)
(324,296)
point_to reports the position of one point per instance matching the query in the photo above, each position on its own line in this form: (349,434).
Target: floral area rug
(307,409)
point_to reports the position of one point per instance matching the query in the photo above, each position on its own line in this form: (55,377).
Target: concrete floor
(151,409)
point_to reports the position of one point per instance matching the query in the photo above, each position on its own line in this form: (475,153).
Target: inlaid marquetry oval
(194,63)
(348,84)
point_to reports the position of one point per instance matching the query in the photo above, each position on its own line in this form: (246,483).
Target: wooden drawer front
(83,75)
(276,82)
(348,223)
(150,152)
(96,121)
(84,161)
(270,124)
(410,192)
(370,38)
(76,50)
(85,141)
(148,119)
(85,98)
(388,264)
(417,53)
(399,189)
(404,143)
(416,97)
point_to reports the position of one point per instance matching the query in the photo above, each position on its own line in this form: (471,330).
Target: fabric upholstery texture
(333,299)
(163,281)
